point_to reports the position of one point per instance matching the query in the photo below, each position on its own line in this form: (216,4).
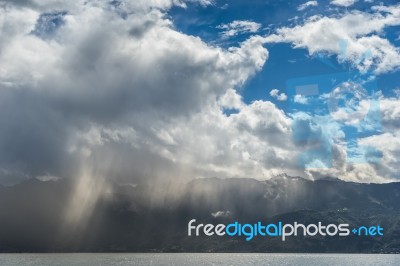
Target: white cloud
(298,98)
(389,144)
(307,5)
(359,31)
(239,27)
(385,153)
(219,214)
(397,92)
(344,3)
(207,2)
(354,109)
(254,142)
(231,100)
(279,96)
(390,112)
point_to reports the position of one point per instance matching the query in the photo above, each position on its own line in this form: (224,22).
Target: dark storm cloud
(34,136)
(29,3)
(109,88)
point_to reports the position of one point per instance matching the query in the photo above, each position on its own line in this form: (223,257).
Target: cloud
(390,112)
(279,96)
(207,2)
(231,100)
(219,214)
(353,36)
(130,90)
(239,27)
(298,98)
(48,23)
(307,5)
(344,3)
(388,143)
(385,144)
(116,92)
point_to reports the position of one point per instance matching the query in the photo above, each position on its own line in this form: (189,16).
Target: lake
(122,259)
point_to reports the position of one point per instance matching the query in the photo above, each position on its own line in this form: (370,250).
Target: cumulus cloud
(388,141)
(376,155)
(390,112)
(344,3)
(105,85)
(279,96)
(239,27)
(231,100)
(354,37)
(307,5)
(298,98)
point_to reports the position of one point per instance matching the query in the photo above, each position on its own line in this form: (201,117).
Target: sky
(148,90)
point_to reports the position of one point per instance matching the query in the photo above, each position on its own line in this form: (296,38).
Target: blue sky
(287,63)
(284,62)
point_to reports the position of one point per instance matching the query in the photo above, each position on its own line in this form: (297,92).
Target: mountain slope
(32,216)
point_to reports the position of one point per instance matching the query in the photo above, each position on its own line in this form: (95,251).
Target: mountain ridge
(129,220)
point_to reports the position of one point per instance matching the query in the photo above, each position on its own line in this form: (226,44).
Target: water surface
(98,259)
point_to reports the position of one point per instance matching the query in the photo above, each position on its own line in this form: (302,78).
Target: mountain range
(129,219)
